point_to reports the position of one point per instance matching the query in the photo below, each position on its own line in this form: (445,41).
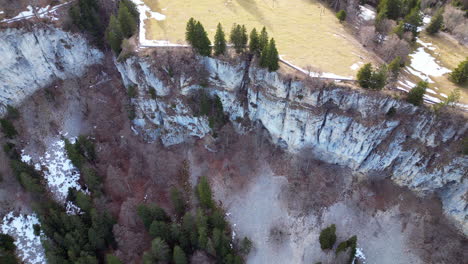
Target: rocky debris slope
(34,58)
(343,126)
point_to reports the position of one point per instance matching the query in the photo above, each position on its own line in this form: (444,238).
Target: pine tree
(201,42)
(254,43)
(219,41)
(273,56)
(341,15)
(114,34)
(178,202)
(364,76)
(263,39)
(392,8)
(159,249)
(244,37)
(127,21)
(379,78)
(436,23)
(416,95)
(204,193)
(394,67)
(179,256)
(236,37)
(190,31)
(460,74)
(399,30)
(265,56)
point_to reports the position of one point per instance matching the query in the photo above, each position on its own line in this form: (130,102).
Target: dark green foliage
(399,30)
(150,213)
(413,20)
(437,21)
(83,201)
(341,15)
(219,41)
(12,112)
(263,39)
(246,246)
(415,95)
(28,177)
(128,23)
(350,243)
(204,193)
(7,242)
(460,74)
(179,256)
(364,76)
(8,128)
(152,93)
(391,112)
(238,37)
(160,229)
(392,8)
(81,152)
(370,79)
(7,250)
(159,249)
(211,107)
(37,229)
(394,67)
(132,91)
(197,37)
(269,58)
(178,202)
(465,146)
(190,31)
(114,35)
(92,180)
(217,220)
(111,259)
(85,15)
(327,237)
(254,43)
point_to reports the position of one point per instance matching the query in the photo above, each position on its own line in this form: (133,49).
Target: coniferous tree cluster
(122,26)
(220,45)
(437,21)
(197,37)
(7,250)
(368,78)
(416,95)
(200,228)
(238,38)
(406,12)
(85,15)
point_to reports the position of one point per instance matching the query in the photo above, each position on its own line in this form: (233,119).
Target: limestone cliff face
(32,59)
(341,125)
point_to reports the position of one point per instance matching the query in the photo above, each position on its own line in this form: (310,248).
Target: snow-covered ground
(146,13)
(29,247)
(327,75)
(366,13)
(59,172)
(41,12)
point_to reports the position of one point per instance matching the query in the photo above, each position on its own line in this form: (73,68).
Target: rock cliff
(32,59)
(349,127)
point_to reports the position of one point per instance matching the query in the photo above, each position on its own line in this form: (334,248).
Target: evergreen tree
(415,95)
(204,193)
(219,41)
(399,30)
(177,201)
(392,8)
(254,43)
(114,34)
(327,237)
(244,37)
(126,20)
(394,67)
(190,31)
(159,249)
(379,78)
(179,256)
(111,259)
(341,15)
(460,74)
(364,76)
(160,229)
(437,22)
(236,37)
(263,39)
(201,42)
(414,19)
(265,56)
(85,15)
(273,56)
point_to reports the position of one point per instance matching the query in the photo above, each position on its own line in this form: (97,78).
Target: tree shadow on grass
(251,7)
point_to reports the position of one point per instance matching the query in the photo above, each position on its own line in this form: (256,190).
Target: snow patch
(423,62)
(28,246)
(366,13)
(40,12)
(359,255)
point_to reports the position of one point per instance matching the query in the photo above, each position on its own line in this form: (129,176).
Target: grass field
(306,32)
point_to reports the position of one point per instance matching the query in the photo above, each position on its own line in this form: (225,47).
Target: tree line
(256,44)
(201,228)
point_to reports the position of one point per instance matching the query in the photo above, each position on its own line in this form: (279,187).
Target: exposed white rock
(343,126)
(33,59)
